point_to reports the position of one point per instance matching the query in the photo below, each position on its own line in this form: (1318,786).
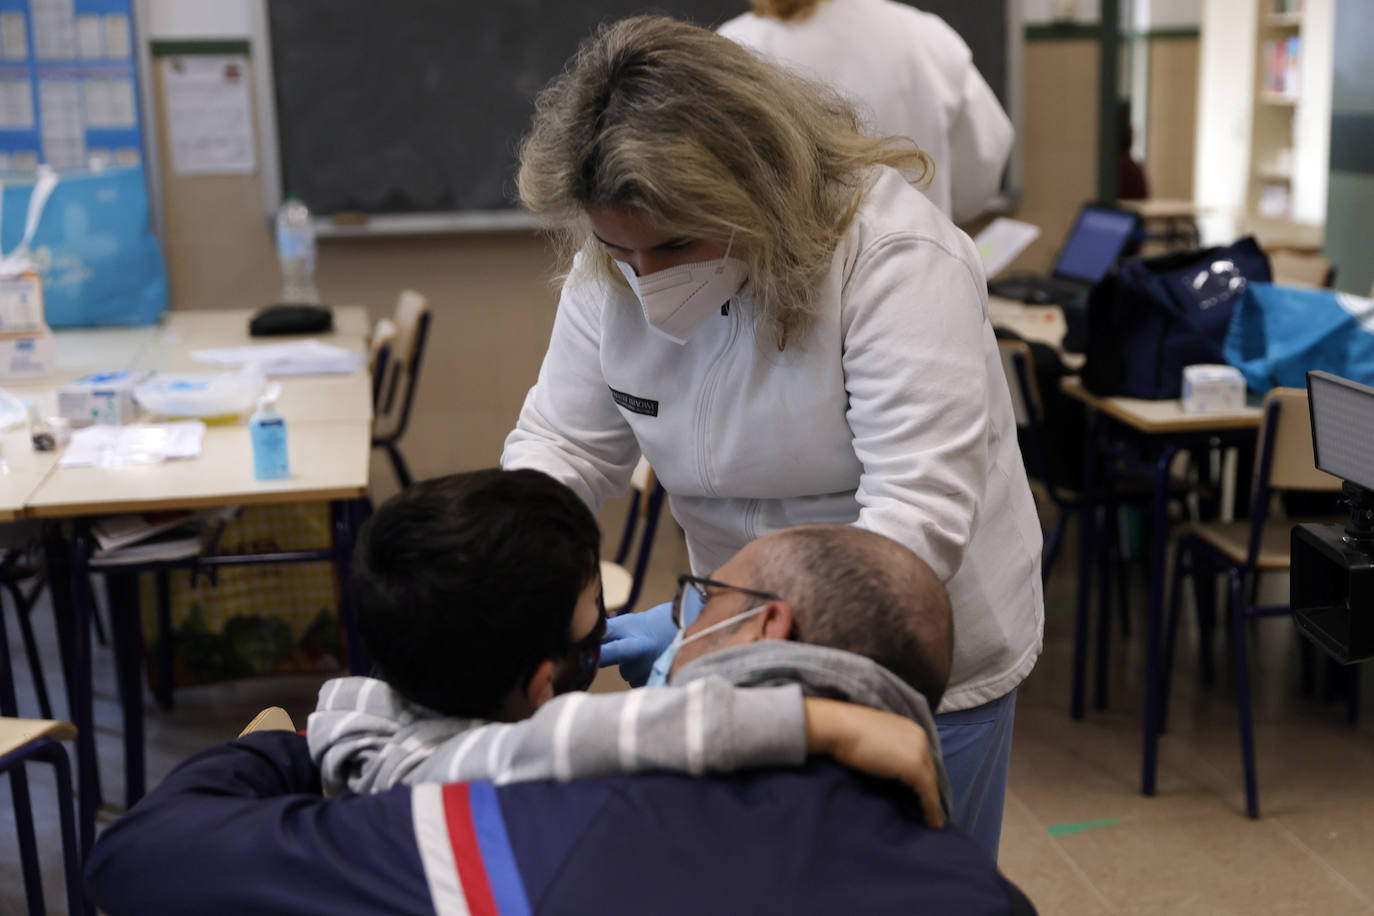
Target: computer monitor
(1099,236)
(1342,427)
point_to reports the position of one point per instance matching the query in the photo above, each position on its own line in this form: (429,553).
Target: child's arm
(707,726)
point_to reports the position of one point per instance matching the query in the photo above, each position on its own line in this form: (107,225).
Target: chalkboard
(418,106)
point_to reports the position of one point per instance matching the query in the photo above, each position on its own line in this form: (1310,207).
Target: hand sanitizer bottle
(268,431)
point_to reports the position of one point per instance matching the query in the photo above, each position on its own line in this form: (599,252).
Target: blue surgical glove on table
(633,641)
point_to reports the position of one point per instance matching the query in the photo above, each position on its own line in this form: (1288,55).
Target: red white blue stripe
(468,861)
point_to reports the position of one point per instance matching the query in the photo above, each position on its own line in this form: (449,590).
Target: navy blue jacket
(241,828)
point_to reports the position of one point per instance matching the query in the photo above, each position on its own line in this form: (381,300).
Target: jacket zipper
(704,403)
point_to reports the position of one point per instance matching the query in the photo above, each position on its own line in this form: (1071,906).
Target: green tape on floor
(1080,826)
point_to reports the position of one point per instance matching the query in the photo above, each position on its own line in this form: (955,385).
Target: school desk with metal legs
(329,437)
(1162,428)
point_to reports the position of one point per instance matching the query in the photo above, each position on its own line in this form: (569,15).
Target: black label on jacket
(635,405)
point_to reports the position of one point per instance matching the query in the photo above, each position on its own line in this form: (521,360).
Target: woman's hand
(877,743)
(634,641)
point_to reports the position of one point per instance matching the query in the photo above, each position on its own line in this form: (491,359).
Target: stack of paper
(297,357)
(152,536)
(119,446)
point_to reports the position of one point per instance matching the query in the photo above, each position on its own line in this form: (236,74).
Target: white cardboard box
(1212,389)
(28,355)
(21,303)
(101,397)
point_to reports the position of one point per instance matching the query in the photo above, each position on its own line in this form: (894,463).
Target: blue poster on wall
(68,84)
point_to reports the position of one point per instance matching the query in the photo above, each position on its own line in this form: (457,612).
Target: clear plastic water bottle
(296,251)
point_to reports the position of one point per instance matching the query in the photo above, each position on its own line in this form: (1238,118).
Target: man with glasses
(818,838)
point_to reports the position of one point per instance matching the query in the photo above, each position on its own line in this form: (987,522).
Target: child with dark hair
(478,597)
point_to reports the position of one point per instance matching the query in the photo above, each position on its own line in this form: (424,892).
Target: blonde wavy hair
(704,140)
(784,9)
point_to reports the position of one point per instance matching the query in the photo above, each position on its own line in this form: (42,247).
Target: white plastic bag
(201,394)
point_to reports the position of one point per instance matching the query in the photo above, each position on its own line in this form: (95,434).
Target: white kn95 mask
(678,299)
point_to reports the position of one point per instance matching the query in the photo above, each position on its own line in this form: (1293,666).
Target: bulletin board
(68,84)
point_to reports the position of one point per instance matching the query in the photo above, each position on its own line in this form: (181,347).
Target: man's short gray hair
(864,593)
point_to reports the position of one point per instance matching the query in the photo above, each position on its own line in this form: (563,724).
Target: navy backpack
(1154,316)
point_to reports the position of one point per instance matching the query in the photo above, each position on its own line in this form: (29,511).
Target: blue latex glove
(633,641)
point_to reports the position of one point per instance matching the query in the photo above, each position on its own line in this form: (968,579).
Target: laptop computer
(1100,235)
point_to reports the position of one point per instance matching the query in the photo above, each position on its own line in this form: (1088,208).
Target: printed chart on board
(68,87)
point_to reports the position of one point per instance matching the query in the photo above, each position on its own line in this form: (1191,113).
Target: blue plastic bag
(1277,333)
(93,247)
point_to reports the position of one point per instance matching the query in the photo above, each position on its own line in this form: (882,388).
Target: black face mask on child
(579,667)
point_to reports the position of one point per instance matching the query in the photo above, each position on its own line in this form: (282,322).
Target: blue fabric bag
(93,246)
(1155,316)
(1278,333)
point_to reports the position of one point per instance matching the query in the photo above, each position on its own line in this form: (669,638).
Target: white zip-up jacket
(892,414)
(910,75)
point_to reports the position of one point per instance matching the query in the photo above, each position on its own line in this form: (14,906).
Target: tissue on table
(1212,389)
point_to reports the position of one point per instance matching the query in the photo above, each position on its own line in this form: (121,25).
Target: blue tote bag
(92,244)
(1277,333)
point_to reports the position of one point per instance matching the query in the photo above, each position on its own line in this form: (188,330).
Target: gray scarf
(822,672)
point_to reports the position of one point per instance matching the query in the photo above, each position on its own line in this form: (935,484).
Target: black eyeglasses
(693,593)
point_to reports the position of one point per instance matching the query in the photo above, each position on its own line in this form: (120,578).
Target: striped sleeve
(707,726)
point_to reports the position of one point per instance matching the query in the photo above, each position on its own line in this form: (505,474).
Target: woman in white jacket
(761,305)
(908,73)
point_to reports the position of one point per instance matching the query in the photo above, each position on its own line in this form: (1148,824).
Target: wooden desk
(1163,208)
(329,461)
(304,399)
(1161,417)
(1170,429)
(1036,323)
(329,438)
(25,470)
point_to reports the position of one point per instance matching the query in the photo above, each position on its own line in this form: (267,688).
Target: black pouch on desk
(277,320)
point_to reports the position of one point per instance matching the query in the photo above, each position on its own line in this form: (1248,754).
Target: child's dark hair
(464,584)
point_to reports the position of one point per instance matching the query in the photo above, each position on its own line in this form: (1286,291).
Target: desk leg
(77,657)
(1087,525)
(1159,538)
(126,634)
(345,516)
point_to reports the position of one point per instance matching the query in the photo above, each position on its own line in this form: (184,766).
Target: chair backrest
(1291,463)
(646,504)
(271,719)
(1016,364)
(1293,269)
(379,362)
(394,398)
(384,334)
(411,309)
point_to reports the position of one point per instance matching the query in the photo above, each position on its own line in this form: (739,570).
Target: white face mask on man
(678,299)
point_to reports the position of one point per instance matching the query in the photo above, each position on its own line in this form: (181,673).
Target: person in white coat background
(908,73)
(760,303)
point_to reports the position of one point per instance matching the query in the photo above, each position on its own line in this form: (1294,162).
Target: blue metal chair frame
(1241,605)
(49,751)
(646,538)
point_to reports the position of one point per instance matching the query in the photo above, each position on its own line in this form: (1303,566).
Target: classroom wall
(1171,103)
(1060,140)
(493,300)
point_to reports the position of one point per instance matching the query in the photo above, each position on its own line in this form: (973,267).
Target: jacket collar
(821,672)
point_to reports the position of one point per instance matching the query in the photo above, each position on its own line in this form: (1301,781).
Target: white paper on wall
(209,114)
